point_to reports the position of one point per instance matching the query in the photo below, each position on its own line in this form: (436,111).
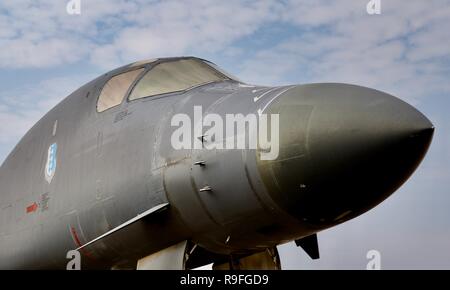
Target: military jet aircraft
(159,165)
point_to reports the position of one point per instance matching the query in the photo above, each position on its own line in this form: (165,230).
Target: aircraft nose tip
(343,149)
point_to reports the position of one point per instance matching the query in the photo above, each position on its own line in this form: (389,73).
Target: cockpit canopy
(158,78)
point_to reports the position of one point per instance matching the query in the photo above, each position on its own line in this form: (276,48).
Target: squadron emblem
(50,166)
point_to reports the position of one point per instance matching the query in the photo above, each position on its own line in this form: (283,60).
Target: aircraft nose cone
(342,150)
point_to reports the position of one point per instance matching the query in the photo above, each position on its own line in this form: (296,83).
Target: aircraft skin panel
(131,221)
(98,182)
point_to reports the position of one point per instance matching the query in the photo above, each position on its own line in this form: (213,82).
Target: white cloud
(134,29)
(24,53)
(396,51)
(21,108)
(170,28)
(312,13)
(339,36)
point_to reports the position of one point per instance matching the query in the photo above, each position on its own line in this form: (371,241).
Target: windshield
(174,76)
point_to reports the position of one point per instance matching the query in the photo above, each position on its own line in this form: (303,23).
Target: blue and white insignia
(50,166)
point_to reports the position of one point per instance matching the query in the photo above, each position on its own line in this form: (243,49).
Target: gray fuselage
(343,149)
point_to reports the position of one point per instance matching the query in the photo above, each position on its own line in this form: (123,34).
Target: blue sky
(46,53)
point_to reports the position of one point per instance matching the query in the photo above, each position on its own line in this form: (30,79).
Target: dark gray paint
(117,164)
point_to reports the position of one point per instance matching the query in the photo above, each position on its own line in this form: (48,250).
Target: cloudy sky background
(45,54)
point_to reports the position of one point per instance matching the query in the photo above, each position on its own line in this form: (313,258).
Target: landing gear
(186,255)
(171,258)
(267,260)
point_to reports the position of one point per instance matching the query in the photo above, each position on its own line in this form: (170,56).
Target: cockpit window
(115,89)
(175,76)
